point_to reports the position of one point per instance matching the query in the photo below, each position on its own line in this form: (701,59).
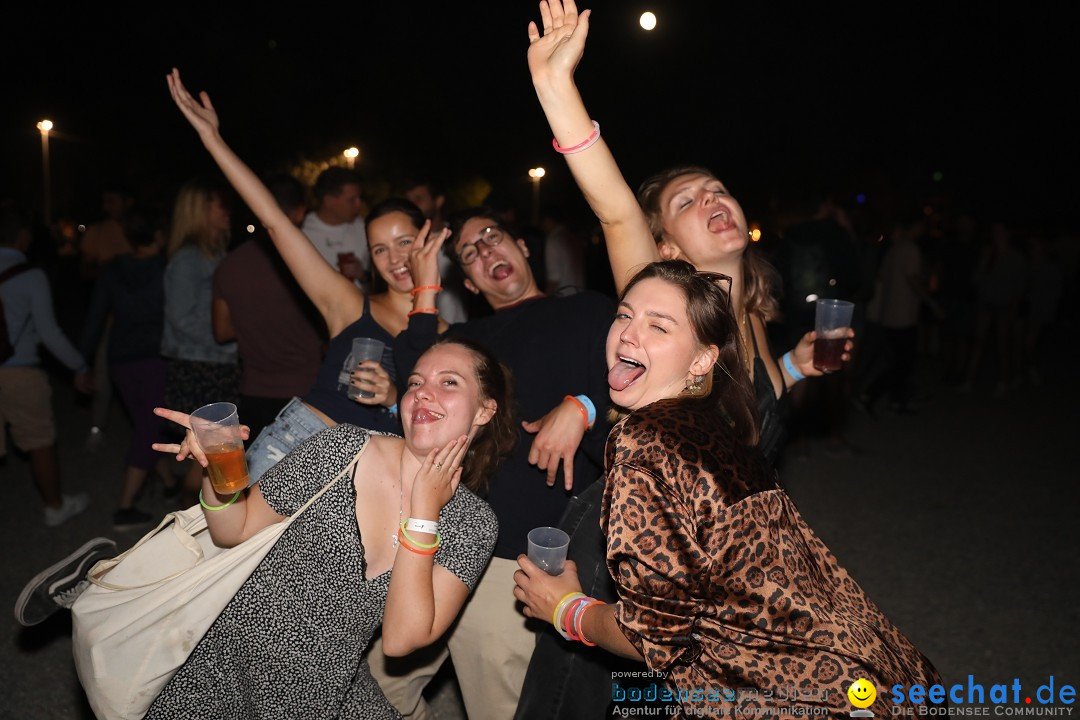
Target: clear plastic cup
(217,428)
(831,323)
(547,549)
(363,349)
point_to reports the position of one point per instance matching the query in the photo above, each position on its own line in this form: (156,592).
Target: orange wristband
(422,288)
(415,550)
(582,408)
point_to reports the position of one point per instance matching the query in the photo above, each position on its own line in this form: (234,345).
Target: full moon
(648,21)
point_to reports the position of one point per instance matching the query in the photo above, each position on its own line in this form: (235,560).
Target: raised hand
(200,113)
(557,52)
(424,256)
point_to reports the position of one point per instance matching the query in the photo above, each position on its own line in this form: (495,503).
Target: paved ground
(956,521)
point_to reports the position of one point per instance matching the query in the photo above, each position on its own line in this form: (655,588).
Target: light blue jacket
(188,332)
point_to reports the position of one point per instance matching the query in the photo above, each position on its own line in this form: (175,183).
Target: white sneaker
(70,506)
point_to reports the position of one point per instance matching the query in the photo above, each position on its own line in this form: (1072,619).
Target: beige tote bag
(147,608)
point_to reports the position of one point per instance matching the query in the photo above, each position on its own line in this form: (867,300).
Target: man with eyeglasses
(554,345)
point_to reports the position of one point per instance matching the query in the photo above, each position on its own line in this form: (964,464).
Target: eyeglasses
(490,236)
(717,278)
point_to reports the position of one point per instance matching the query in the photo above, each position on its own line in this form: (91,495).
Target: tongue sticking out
(423,415)
(624,373)
(501,272)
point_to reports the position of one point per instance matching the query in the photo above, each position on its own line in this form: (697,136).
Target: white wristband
(424,526)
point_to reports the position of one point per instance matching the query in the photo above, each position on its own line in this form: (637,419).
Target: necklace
(401,498)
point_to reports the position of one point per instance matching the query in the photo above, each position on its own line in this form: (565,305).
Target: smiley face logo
(862,693)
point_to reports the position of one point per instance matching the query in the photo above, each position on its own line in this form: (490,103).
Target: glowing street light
(45,126)
(648,21)
(536,174)
(350,156)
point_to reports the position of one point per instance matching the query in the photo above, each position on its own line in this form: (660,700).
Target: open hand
(557,52)
(201,115)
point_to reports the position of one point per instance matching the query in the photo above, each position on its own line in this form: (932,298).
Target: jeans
(293,425)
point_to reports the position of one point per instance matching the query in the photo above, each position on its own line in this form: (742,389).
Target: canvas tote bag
(147,608)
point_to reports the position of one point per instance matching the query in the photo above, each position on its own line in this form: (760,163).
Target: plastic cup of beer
(832,322)
(364,349)
(217,429)
(547,549)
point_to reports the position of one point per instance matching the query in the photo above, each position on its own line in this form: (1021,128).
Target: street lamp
(350,156)
(45,126)
(536,174)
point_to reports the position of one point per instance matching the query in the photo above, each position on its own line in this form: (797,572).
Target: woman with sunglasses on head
(721,584)
(392,227)
(681,213)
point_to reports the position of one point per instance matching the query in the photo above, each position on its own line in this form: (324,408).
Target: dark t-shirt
(554,346)
(278,335)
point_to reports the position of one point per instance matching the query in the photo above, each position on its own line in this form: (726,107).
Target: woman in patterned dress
(722,585)
(290,643)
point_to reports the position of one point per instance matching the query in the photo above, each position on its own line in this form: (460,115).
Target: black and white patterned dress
(289,643)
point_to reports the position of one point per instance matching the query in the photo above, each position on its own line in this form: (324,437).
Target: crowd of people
(645,415)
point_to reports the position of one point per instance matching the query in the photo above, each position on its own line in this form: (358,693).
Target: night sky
(777,99)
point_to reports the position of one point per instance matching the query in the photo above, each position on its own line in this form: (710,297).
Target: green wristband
(218,507)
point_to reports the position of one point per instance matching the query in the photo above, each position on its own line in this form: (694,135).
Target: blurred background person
(102,241)
(335,227)
(25,391)
(131,291)
(201,370)
(278,332)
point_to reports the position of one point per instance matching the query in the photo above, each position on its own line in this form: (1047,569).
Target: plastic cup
(217,429)
(832,322)
(547,549)
(363,349)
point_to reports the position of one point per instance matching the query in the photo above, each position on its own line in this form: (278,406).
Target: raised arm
(339,301)
(553,57)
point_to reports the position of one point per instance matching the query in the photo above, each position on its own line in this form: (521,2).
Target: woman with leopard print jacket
(723,588)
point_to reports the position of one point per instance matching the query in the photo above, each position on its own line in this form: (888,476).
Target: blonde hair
(759,277)
(191,220)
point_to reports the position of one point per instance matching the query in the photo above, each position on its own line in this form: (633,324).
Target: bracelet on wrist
(426,546)
(581,408)
(791,369)
(422,288)
(583,145)
(218,507)
(430,527)
(424,311)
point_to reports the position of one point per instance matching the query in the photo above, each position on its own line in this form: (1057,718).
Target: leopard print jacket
(722,584)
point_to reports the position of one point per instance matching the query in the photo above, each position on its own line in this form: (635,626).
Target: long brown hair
(496,440)
(759,277)
(708,306)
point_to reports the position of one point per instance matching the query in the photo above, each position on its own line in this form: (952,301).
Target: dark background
(777,99)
